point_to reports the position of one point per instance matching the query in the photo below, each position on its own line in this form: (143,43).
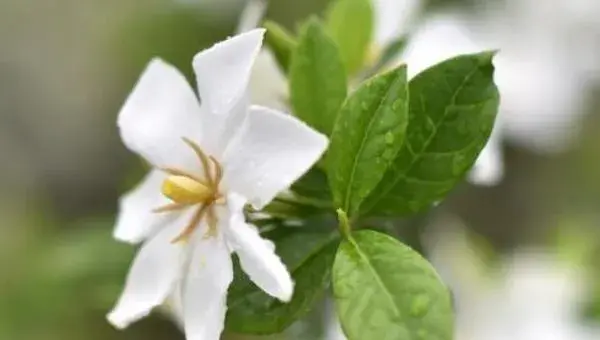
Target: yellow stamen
(170,207)
(187,232)
(186,190)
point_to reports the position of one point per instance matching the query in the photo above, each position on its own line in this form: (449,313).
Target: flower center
(186,189)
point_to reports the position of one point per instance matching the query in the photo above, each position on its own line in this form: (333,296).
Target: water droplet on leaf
(389,137)
(419,305)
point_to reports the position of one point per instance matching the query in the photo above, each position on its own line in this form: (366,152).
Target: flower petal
(268,85)
(223,71)
(271,152)
(394,18)
(136,221)
(152,276)
(204,293)
(257,255)
(252,14)
(161,109)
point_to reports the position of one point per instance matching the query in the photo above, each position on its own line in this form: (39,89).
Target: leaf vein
(426,144)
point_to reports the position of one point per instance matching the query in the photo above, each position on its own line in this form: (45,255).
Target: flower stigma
(185,189)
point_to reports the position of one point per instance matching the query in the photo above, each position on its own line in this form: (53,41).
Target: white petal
(223,71)
(541,99)
(205,288)
(161,109)
(223,127)
(268,85)
(252,14)
(173,306)
(152,276)
(257,255)
(269,154)
(394,18)
(136,221)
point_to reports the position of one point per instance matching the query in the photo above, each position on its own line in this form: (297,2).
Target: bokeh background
(521,255)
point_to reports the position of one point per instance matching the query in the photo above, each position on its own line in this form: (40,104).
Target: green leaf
(314,185)
(317,78)
(351,24)
(281,42)
(367,135)
(385,290)
(309,257)
(453,107)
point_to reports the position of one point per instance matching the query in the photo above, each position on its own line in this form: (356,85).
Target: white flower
(211,157)
(543,69)
(394,18)
(535,294)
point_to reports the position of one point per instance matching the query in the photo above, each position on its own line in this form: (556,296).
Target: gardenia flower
(211,157)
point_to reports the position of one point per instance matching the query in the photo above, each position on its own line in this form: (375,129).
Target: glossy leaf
(317,78)
(314,185)
(309,257)
(281,42)
(385,290)
(368,133)
(452,111)
(351,24)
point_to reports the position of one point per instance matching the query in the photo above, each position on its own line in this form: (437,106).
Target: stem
(344,223)
(300,200)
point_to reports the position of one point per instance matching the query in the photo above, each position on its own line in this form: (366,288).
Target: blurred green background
(66,67)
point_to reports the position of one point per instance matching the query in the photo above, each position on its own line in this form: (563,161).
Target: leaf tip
(486,57)
(313,22)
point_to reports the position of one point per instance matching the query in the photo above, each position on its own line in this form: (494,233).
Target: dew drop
(389,137)
(419,305)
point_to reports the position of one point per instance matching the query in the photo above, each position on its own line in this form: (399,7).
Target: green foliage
(309,257)
(317,78)
(367,135)
(281,42)
(351,24)
(452,111)
(396,147)
(313,184)
(385,290)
